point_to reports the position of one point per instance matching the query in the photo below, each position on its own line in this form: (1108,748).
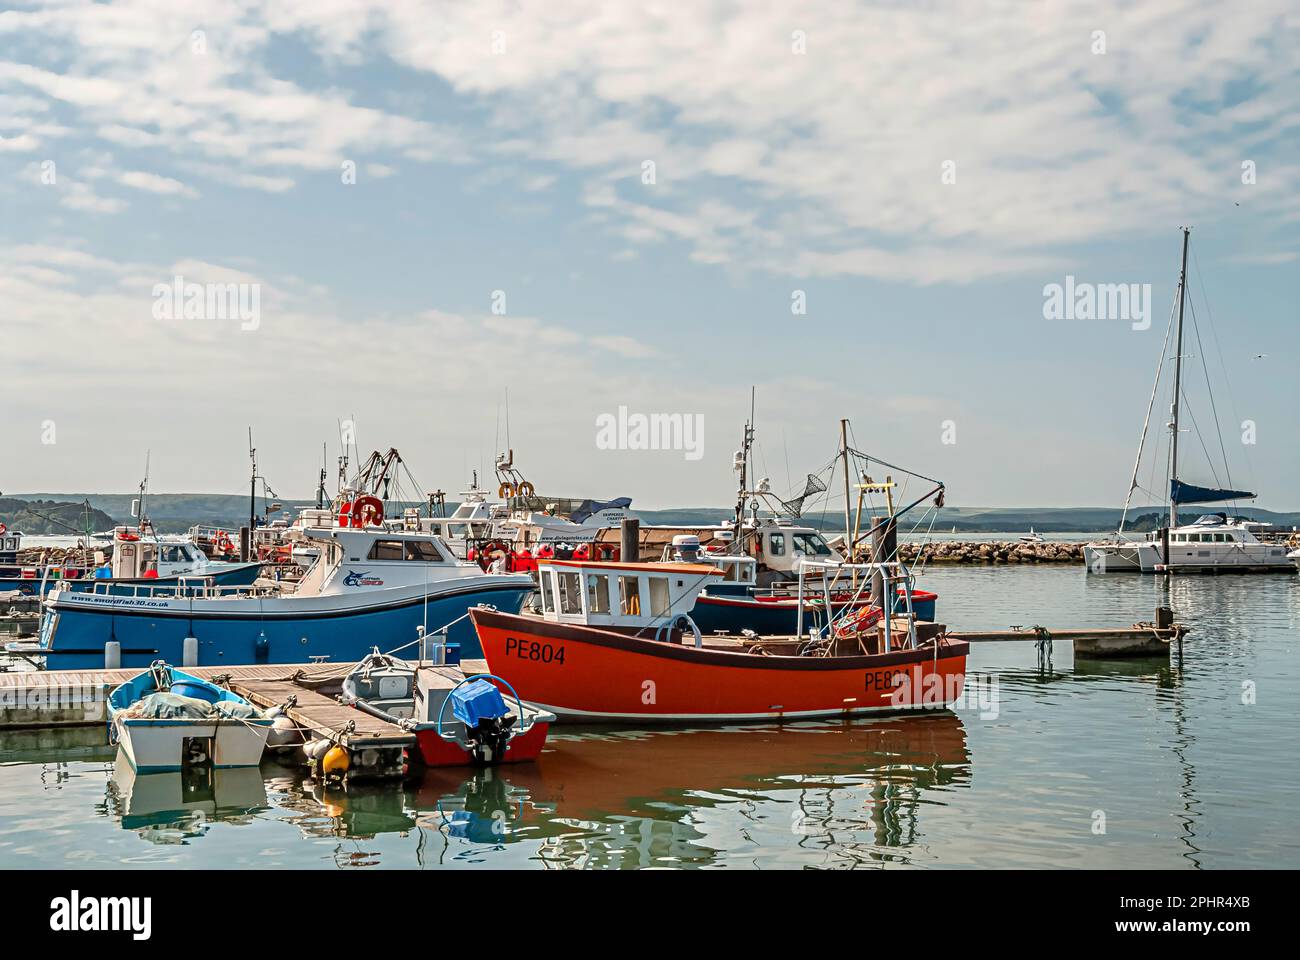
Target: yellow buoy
(335,762)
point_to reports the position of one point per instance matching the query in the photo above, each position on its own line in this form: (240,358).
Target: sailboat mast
(1178,384)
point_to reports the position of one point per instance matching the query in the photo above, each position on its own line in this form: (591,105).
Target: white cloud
(154,183)
(824,163)
(19,144)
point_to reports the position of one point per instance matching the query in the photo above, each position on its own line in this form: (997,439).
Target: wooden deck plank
(323,714)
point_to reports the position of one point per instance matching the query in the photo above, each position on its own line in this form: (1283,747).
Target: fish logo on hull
(363,579)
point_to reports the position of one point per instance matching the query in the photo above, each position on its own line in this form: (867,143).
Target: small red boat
(458,719)
(615,642)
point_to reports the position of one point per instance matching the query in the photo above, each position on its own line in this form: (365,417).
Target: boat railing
(192,588)
(894,573)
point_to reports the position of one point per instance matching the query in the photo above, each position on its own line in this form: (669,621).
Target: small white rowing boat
(165,719)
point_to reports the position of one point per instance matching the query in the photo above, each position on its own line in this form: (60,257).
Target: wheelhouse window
(423,551)
(629,596)
(597,593)
(548,595)
(386,550)
(659,604)
(776,544)
(570,592)
(812,545)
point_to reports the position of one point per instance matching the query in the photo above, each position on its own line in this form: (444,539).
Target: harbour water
(1185,763)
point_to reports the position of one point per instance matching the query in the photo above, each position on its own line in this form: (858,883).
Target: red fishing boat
(615,642)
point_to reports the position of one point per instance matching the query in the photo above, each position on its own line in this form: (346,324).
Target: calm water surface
(1185,769)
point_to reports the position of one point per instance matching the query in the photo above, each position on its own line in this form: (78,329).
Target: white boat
(521,518)
(1214,542)
(1032,537)
(165,719)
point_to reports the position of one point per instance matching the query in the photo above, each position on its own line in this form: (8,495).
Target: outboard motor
(686,547)
(481,708)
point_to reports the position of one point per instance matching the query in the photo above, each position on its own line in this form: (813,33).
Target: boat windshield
(812,544)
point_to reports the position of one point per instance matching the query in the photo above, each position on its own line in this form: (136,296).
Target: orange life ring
(524,485)
(3,529)
(367,511)
(487,553)
(506,490)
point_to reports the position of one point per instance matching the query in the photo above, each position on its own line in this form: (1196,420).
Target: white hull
(1226,557)
(158,745)
(1137,557)
(1147,557)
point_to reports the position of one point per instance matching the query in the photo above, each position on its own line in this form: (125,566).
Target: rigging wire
(1214,331)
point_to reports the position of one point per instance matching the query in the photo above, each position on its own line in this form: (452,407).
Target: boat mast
(1178,384)
(144,491)
(742,466)
(252,485)
(848,508)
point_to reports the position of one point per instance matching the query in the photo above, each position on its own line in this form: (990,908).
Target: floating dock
(62,698)
(376,749)
(1139,640)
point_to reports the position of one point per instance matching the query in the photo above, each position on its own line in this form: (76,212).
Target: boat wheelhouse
(616,641)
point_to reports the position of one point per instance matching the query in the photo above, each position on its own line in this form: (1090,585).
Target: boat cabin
(11,542)
(346,559)
(1214,528)
(620,595)
(138,553)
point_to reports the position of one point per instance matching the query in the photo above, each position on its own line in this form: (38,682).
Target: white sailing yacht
(1213,542)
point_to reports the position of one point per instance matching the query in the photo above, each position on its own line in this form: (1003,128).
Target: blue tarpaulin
(1180,492)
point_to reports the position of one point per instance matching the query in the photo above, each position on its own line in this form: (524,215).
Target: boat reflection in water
(832,793)
(853,789)
(180,806)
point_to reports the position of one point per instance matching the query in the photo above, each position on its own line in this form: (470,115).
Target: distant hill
(45,517)
(177,512)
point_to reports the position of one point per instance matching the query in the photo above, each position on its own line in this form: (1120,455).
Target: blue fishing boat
(137,556)
(736,602)
(368,586)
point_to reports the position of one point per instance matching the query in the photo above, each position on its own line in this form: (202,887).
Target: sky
(854,208)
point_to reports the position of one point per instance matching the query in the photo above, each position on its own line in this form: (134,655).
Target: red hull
(437,752)
(580,672)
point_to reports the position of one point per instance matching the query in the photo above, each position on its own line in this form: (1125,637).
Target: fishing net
(176,706)
(170,706)
(235,710)
(794,506)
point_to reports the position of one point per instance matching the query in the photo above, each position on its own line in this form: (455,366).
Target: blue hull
(237,575)
(77,638)
(732,613)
